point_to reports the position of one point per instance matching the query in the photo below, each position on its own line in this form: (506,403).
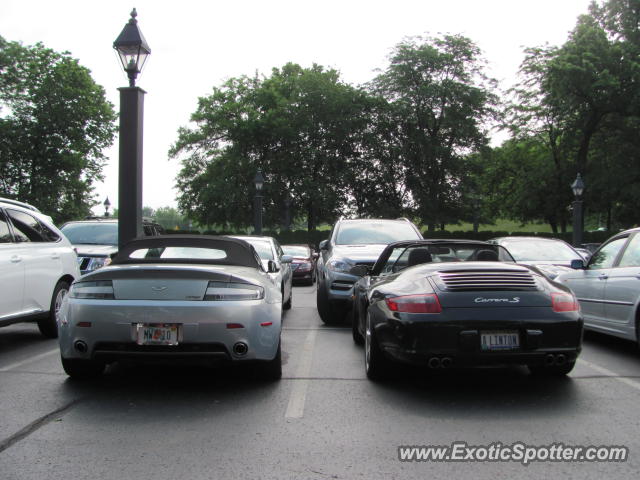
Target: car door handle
(604,276)
(55,256)
(16,259)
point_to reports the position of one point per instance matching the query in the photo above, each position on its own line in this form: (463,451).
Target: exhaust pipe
(434,362)
(561,359)
(240,349)
(549,360)
(80,346)
(446,362)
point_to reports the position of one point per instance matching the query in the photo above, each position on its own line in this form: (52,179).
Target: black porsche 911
(448,303)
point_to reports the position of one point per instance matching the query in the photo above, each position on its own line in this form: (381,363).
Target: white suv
(37,266)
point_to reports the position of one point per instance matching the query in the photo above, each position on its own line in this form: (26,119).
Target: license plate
(499,341)
(156,334)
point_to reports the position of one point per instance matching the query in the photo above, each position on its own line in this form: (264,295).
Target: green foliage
(440,103)
(54,126)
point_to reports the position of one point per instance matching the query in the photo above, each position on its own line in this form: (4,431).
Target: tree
(54,126)
(442,102)
(301,126)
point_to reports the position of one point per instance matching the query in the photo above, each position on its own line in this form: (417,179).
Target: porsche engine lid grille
(471,280)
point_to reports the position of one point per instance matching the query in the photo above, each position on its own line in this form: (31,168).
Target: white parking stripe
(295,409)
(609,373)
(29,360)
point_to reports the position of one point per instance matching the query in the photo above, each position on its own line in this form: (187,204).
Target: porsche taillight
(423,303)
(564,302)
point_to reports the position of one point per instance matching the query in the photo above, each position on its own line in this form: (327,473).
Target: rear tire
(553,370)
(358,339)
(48,325)
(377,366)
(272,369)
(287,305)
(80,369)
(329,314)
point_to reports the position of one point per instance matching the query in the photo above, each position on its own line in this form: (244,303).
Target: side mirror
(315,255)
(577,264)
(272,267)
(324,245)
(286,259)
(360,270)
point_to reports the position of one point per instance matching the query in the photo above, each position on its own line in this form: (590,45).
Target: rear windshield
(91,233)
(184,249)
(540,250)
(361,233)
(296,251)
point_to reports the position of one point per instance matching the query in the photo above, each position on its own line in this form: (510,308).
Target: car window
(5,234)
(539,250)
(605,257)
(92,233)
(263,248)
(296,251)
(631,255)
(403,257)
(361,233)
(180,253)
(29,229)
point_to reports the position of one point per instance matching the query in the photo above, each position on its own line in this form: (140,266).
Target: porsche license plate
(156,334)
(499,341)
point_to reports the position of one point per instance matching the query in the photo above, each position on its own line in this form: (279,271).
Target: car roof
(16,203)
(241,253)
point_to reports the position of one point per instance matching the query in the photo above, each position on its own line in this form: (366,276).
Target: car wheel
(358,339)
(325,309)
(82,369)
(287,305)
(377,366)
(48,325)
(552,370)
(272,369)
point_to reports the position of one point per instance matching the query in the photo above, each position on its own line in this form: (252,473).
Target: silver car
(608,286)
(173,296)
(275,262)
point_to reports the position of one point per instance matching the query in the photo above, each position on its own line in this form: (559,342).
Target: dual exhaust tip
(552,359)
(437,362)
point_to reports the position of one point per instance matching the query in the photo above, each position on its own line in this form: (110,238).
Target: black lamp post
(133,51)
(578,189)
(106,204)
(258,180)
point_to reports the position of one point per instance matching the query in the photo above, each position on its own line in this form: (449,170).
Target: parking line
(609,373)
(11,366)
(295,408)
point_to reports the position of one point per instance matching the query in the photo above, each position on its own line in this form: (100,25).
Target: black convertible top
(237,252)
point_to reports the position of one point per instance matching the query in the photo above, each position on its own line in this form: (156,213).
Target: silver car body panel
(161,298)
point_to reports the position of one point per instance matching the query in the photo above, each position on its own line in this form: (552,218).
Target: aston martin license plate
(499,341)
(156,334)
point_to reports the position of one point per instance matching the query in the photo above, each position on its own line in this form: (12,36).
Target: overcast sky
(196,45)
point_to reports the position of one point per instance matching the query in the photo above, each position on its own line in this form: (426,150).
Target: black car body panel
(477,299)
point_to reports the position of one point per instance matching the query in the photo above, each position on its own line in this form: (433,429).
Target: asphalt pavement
(323,420)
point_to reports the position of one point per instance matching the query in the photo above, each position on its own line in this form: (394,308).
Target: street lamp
(258,180)
(133,51)
(578,189)
(106,204)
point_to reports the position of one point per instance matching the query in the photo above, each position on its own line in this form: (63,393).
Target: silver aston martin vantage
(174,296)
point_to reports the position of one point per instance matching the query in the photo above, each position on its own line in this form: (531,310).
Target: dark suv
(96,238)
(353,242)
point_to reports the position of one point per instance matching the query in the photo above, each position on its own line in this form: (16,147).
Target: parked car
(303,264)
(96,239)
(447,303)
(550,255)
(608,286)
(275,262)
(37,266)
(353,242)
(174,296)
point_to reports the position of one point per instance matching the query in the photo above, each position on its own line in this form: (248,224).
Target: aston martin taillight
(564,302)
(424,303)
